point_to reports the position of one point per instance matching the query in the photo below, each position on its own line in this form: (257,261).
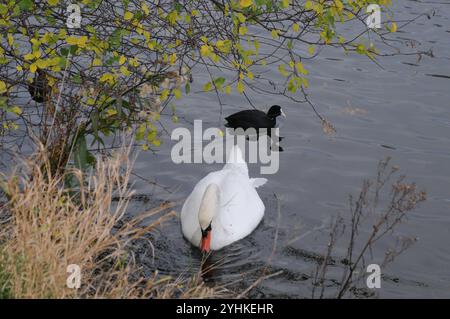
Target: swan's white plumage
(240,210)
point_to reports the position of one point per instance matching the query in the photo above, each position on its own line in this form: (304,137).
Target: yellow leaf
(53,2)
(296,27)
(62,33)
(285,3)
(177,93)
(134,62)
(164,95)
(394,27)
(308,5)
(28,57)
(79,41)
(33,68)
(72,40)
(220,45)
(145,8)
(311,49)
(228,89)
(111,112)
(274,33)
(42,64)
(241,17)
(2,87)
(205,50)
(51,81)
(240,87)
(97,62)
(282,70)
(300,68)
(172,17)
(82,41)
(37,54)
(245,3)
(207,87)
(90,101)
(173,58)
(242,30)
(10,39)
(122,60)
(128,15)
(305,82)
(15,109)
(54,61)
(107,77)
(125,71)
(256,44)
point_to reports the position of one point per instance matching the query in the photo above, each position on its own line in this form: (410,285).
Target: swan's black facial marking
(206,239)
(205,231)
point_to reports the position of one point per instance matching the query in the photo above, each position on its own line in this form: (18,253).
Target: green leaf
(219,82)
(73,49)
(3,9)
(81,153)
(64,52)
(26,5)
(290,45)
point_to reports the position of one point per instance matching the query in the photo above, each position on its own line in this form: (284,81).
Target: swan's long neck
(209,205)
(235,160)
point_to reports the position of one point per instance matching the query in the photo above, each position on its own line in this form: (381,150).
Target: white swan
(223,207)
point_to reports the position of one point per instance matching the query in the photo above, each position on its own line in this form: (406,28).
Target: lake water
(402,111)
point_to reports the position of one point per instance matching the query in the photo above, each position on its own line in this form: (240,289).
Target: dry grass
(46,226)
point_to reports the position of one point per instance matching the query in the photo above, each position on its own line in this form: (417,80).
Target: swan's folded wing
(257,182)
(241,211)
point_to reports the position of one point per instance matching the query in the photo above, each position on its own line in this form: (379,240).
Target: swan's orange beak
(206,241)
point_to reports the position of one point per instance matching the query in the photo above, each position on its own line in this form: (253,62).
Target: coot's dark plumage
(254,119)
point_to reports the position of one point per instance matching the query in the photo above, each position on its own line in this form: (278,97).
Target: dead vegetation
(47,226)
(400,198)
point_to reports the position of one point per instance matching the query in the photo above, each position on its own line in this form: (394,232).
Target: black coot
(255,119)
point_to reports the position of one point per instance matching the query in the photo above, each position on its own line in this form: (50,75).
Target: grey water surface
(401,110)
